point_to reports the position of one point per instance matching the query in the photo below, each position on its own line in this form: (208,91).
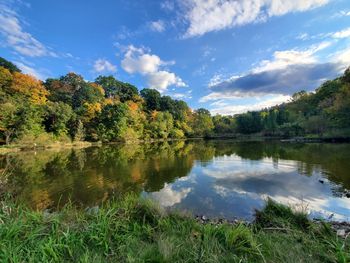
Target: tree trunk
(8,137)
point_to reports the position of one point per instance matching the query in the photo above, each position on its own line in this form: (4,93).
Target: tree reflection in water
(214,177)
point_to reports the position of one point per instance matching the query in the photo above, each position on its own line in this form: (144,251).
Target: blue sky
(229,56)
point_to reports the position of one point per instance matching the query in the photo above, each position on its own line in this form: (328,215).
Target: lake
(220,178)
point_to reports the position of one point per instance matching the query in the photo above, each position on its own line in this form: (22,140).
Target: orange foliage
(30,87)
(154,114)
(133,106)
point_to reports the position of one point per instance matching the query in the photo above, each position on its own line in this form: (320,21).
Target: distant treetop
(9,65)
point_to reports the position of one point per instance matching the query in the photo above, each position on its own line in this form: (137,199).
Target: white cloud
(29,70)
(274,76)
(281,7)
(204,16)
(233,175)
(272,81)
(342,34)
(282,59)
(157,26)
(136,60)
(168,197)
(102,65)
(161,80)
(15,36)
(342,58)
(167,5)
(345,13)
(232,109)
(303,36)
(186,95)
(218,78)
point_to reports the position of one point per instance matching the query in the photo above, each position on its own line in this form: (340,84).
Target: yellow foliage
(98,87)
(108,101)
(30,87)
(91,110)
(154,114)
(5,77)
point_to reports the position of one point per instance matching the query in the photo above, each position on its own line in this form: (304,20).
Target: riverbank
(133,230)
(300,139)
(81,144)
(246,138)
(57,145)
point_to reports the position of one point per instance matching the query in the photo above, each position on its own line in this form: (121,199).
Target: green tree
(6,79)
(80,132)
(88,93)
(112,122)
(202,122)
(57,117)
(9,65)
(9,121)
(152,99)
(161,125)
(115,88)
(65,87)
(250,122)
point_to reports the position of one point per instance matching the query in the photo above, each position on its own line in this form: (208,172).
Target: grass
(133,230)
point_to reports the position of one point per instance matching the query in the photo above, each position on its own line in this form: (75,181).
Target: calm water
(215,178)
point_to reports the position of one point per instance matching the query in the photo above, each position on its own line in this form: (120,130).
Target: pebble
(341,233)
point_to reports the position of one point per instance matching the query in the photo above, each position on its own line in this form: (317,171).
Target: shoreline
(4,149)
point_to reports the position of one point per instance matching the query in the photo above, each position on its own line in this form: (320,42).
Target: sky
(229,56)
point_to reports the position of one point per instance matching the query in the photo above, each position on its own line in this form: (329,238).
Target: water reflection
(216,178)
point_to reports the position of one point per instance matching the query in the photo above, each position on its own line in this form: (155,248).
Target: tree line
(322,113)
(70,108)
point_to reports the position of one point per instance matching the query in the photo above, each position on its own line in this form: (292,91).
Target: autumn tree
(29,87)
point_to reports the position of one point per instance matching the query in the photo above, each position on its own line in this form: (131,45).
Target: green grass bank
(133,230)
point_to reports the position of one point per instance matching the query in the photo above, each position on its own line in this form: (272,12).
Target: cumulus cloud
(222,14)
(136,60)
(286,73)
(103,65)
(15,36)
(273,81)
(157,26)
(282,59)
(162,79)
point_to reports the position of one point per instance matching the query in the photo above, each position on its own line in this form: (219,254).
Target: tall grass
(133,230)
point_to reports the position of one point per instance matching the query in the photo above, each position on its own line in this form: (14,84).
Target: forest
(69,108)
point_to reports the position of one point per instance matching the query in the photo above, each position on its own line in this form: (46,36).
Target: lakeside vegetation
(133,230)
(66,109)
